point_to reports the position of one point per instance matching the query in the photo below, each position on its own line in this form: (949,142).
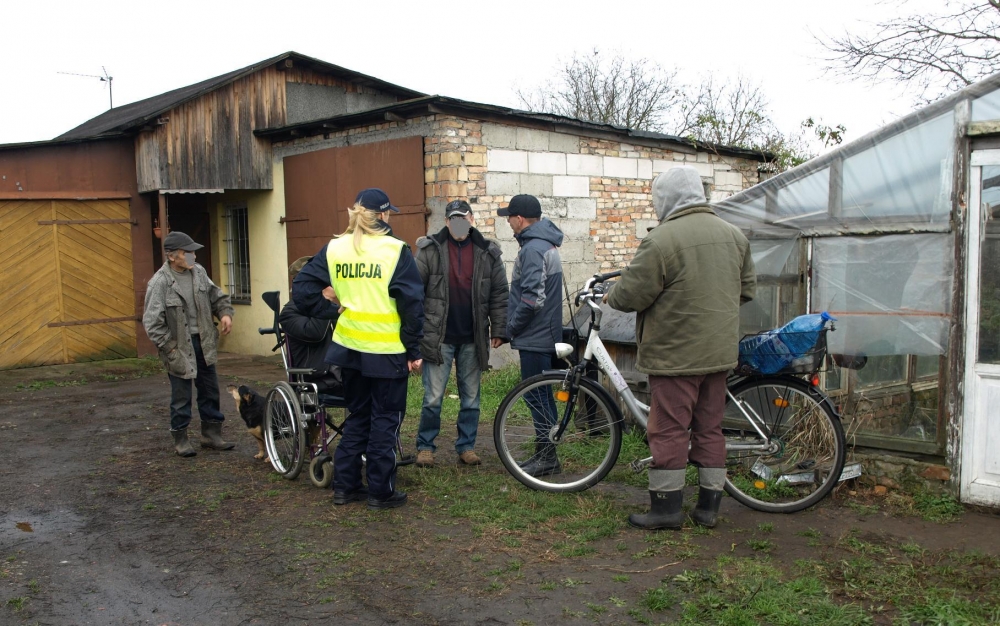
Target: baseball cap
(374,199)
(457,207)
(523,205)
(176,240)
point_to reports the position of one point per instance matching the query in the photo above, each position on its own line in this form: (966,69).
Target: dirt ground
(100,523)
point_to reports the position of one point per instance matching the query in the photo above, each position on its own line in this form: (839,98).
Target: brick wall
(597,191)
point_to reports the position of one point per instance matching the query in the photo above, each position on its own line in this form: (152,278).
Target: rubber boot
(711,480)
(666,510)
(181,443)
(544,463)
(212,432)
(707,511)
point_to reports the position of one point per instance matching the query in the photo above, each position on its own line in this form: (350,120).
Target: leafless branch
(933,54)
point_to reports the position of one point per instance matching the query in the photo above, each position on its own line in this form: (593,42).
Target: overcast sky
(477,51)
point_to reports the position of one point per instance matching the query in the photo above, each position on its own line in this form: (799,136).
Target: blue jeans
(435,380)
(181,394)
(540,401)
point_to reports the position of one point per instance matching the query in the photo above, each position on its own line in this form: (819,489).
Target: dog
(251,406)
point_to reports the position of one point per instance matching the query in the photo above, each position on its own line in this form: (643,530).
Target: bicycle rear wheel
(587,449)
(801,457)
(284,433)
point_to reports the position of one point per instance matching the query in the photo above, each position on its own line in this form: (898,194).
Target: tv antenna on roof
(104,79)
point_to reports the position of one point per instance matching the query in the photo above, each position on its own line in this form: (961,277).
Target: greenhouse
(895,235)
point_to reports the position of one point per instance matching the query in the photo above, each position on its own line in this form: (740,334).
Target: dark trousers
(682,403)
(375,408)
(540,401)
(181,393)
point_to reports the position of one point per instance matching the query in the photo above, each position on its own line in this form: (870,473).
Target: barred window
(237,254)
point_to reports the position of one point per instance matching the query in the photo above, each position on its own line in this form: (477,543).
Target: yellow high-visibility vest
(370,322)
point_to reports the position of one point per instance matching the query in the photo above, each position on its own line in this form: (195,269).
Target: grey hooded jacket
(489,293)
(686,282)
(166,321)
(534,308)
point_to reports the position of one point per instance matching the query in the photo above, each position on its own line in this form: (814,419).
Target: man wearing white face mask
(180,302)
(465,313)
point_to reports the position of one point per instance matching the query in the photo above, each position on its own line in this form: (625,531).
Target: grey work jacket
(166,322)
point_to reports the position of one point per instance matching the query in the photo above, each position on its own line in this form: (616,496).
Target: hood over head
(542,229)
(676,189)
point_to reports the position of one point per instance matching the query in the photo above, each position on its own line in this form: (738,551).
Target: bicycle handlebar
(588,287)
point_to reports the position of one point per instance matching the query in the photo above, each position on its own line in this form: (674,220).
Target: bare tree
(609,89)
(728,113)
(934,53)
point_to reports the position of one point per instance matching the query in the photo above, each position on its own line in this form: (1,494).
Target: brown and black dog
(251,405)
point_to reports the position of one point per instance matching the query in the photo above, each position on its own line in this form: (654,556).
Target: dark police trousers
(375,409)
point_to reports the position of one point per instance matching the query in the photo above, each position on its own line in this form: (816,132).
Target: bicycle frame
(596,352)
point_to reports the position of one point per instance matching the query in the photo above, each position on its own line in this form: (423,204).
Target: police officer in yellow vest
(375,342)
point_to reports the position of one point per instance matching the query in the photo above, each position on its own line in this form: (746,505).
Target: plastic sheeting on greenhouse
(873,219)
(891,294)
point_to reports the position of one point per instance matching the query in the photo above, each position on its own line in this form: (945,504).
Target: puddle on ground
(25,526)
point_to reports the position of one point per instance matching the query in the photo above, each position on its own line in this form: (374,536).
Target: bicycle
(785,446)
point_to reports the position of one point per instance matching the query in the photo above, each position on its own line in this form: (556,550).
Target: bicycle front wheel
(797,457)
(284,434)
(585,452)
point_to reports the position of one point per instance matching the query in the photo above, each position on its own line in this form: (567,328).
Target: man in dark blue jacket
(534,314)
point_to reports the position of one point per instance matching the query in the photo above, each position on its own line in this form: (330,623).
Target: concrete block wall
(597,191)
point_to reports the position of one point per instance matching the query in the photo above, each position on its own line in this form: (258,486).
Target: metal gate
(66,273)
(320,185)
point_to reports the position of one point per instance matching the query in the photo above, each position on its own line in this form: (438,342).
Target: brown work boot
(425,458)
(469,457)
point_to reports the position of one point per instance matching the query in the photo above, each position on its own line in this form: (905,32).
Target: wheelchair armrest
(305,371)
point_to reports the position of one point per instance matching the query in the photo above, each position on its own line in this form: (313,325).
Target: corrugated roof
(444,104)
(122,119)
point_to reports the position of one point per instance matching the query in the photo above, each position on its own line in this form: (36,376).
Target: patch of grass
(33,586)
(617,601)
(658,599)
(752,591)
(767,527)
(17,604)
(596,608)
(941,609)
(760,545)
(621,578)
(547,586)
(810,532)
(937,508)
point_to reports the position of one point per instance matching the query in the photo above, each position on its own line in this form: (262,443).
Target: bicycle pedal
(639,465)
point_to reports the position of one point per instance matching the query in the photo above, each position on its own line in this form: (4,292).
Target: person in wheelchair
(309,339)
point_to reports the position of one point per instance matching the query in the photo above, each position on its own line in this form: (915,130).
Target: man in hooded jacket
(687,281)
(534,314)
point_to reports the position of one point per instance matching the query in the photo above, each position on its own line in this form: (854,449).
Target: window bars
(237,253)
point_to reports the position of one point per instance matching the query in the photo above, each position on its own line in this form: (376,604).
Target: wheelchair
(297,426)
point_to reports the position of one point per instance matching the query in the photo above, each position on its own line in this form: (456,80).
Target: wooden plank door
(68,272)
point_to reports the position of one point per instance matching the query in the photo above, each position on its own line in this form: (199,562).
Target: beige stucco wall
(268,262)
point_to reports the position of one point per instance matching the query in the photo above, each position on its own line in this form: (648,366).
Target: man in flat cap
(180,302)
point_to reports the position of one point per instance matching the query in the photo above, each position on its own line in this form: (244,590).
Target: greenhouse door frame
(980,473)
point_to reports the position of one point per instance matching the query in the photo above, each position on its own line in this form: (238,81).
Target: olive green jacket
(686,282)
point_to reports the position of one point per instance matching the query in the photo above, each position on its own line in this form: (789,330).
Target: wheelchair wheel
(321,471)
(284,434)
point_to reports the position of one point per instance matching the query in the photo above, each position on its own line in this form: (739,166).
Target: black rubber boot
(181,443)
(707,511)
(665,511)
(341,498)
(212,432)
(544,463)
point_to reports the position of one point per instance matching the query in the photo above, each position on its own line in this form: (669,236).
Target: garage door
(66,272)
(319,186)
